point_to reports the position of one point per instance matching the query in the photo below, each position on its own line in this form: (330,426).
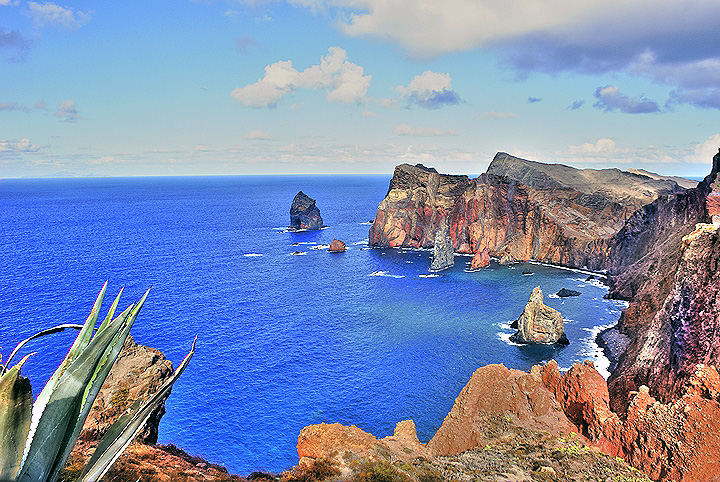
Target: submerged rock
(480,260)
(304,214)
(443,254)
(564,293)
(539,323)
(337,246)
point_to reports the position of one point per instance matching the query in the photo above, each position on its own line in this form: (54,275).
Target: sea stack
(443,254)
(539,324)
(337,246)
(304,214)
(480,260)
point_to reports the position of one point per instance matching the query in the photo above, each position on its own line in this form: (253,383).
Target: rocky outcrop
(480,260)
(337,246)
(138,373)
(304,214)
(518,210)
(495,402)
(539,323)
(676,441)
(443,256)
(566,293)
(664,261)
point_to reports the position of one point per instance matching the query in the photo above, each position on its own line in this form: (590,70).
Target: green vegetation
(36,439)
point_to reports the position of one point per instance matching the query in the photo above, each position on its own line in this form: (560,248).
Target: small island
(304,214)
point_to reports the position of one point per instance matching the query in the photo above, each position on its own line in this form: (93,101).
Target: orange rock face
(337,246)
(481,259)
(494,400)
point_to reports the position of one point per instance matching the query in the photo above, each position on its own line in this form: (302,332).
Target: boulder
(480,260)
(304,214)
(539,323)
(337,246)
(564,293)
(443,253)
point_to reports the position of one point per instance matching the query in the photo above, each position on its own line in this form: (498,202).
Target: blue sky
(356,86)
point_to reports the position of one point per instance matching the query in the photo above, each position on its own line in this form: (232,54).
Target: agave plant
(36,439)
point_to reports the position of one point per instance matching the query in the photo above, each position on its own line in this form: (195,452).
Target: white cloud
(50,14)
(343,81)
(606,151)
(259,135)
(496,114)
(280,79)
(23,145)
(431,90)
(67,111)
(8,3)
(202,148)
(369,114)
(408,130)
(704,151)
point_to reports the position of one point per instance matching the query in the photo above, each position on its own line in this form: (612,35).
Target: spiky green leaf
(15,413)
(92,389)
(63,406)
(125,429)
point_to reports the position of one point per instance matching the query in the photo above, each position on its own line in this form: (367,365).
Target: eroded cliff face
(665,261)
(519,209)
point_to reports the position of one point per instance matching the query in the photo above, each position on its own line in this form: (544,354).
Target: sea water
(367,337)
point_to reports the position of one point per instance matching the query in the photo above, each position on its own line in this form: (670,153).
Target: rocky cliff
(517,210)
(664,261)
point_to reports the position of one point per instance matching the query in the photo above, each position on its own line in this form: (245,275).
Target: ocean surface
(285,340)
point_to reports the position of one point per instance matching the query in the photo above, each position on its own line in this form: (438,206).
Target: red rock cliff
(523,209)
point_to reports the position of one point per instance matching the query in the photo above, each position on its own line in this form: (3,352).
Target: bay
(284,340)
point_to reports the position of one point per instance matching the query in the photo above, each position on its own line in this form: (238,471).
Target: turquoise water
(362,337)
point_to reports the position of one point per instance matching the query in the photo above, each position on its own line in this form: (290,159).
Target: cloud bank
(342,81)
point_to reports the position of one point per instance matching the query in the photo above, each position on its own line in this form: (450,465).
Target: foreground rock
(443,256)
(539,323)
(337,246)
(506,425)
(304,214)
(137,374)
(480,260)
(518,210)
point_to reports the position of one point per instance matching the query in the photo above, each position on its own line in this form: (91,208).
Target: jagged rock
(138,373)
(304,214)
(496,402)
(507,259)
(539,323)
(520,209)
(564,293)
(337,246)
(481,259)
(443,256)
(665,261)
(677,441)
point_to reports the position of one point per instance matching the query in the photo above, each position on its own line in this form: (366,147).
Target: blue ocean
(285,340)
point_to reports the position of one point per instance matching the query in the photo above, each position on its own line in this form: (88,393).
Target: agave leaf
(111,311)
(49,331)
(15,413)
(63,406)
(126,428)
(44,397)
(101,372)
